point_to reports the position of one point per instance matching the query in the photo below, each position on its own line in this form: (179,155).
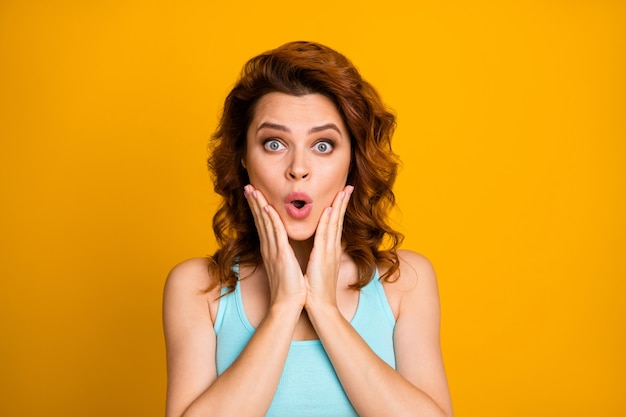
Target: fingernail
(343,195)
(350,189)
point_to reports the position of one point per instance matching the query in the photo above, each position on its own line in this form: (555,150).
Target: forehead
(297,111)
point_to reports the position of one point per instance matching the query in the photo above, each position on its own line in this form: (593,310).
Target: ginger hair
(300,68)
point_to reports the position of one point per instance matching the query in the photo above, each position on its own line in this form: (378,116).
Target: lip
(295,212)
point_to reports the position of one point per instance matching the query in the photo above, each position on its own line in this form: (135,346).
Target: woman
(307,308)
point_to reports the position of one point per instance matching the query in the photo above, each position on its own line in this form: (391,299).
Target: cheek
(335,181)
(263,178)
(255,168)
(341,174)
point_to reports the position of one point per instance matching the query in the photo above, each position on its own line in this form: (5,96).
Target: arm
(417,333)
(419,386)
(193,386)
(194,389)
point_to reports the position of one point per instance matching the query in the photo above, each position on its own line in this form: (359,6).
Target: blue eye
(273,145)
(324,147)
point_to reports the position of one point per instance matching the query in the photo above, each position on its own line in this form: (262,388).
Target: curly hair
(300,68)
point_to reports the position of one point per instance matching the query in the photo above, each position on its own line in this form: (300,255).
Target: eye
(324,146)
(273,145)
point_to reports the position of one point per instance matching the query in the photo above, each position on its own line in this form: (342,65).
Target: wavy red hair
(300,68)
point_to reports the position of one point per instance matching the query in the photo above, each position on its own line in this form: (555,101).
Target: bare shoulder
(190,282)
(192,273)
(189,333)
(415,282)
(417,332)
(415,269)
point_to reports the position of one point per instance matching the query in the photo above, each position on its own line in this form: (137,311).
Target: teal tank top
(308,385)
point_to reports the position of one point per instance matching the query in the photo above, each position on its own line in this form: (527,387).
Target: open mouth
(298,203)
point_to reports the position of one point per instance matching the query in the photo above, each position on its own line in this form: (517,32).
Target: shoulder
(417,331)
(194,271)
(189,333)
(190,282)
(415,270)
(414,284)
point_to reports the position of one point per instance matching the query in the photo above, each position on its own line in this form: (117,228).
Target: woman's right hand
(286,281)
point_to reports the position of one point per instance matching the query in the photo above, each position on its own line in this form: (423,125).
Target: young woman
(307,308)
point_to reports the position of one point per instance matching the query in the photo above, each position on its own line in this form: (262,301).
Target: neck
(302,250)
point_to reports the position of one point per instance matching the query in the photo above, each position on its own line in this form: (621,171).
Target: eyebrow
(316,129)
(327,126)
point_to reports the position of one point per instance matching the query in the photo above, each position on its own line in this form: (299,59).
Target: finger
(331,237)
(345,200)
(321,233)
(252,203)
(335,228)
(256,201)
(277,227)
(270,223)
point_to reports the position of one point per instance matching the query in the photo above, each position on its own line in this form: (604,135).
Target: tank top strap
(229,303)
(374,320)
(373,303)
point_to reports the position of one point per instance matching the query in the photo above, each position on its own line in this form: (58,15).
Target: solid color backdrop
(513,141)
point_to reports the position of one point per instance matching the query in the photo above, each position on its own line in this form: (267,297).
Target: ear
(243,163)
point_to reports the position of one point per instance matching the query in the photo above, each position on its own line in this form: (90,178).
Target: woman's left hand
(323,267)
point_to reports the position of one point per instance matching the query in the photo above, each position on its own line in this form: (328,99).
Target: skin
(302,289)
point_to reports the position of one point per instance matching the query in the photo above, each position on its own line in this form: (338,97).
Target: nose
(298,169)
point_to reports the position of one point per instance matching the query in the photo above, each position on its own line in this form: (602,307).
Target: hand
(284,275)
(323,268)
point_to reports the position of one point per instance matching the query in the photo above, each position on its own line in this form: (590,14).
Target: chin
(300,237)
(300,234)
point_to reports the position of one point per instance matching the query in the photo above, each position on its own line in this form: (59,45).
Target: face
(298,155)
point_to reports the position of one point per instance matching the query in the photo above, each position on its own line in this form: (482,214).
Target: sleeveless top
(308,385)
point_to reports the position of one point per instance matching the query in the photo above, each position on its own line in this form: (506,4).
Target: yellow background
(512,134)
